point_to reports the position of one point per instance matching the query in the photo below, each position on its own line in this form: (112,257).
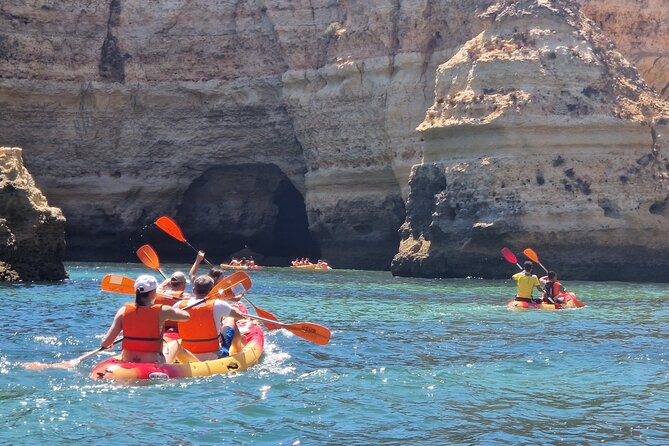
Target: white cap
(145,283)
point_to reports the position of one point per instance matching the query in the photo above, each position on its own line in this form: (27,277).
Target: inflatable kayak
(228,266)
(570,301)
(114,368)
(312,266)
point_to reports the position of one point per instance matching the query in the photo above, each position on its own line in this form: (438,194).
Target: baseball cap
(178,277)
(145,283)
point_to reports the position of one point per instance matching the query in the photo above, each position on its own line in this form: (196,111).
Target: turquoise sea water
(410,361)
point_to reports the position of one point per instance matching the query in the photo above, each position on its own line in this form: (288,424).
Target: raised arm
(193,270)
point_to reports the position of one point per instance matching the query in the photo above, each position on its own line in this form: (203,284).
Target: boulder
(32,233)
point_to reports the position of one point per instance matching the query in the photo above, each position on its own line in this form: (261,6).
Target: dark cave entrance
(247,210)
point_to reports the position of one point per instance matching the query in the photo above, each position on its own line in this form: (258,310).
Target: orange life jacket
(141,328)
(200,334)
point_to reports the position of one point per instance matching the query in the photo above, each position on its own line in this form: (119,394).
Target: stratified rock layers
(541,136)
(32,234)
(130,109)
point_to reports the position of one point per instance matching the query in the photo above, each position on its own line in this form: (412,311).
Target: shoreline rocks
(32,233)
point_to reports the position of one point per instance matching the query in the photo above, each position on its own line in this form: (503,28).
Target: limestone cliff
(541,135)
(640,30)
(143,107)
(128,110)
(32,233)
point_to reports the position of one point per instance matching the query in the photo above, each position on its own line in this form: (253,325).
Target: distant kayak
(318,266)
(570,301)
(229,266)
(114,368)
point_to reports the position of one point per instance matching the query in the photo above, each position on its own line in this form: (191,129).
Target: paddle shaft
(268,322)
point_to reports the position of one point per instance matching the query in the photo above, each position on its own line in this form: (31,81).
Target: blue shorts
(226,341)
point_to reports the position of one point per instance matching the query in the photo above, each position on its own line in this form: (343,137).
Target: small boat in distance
(241,264)
(306,264)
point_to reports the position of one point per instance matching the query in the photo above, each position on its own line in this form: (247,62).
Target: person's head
(145,290)
(551,275)
(202,285)
(216,273)
(527,266)
(178,280)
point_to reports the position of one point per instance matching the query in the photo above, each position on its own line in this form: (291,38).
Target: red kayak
(569,300)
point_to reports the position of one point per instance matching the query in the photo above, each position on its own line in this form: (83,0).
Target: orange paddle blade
(170,227)
(530,254)
(232,286)
(239,281)
(311,332)
(149,257)
(267,315)
(115,283)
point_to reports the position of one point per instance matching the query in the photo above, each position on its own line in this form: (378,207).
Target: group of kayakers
(207,328)
(321,264)
(243,262)
(548,286)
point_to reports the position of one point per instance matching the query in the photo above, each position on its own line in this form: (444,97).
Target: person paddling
(142,324)
(526,282)
(552,288)
(215,272)
(175,285)
(211,332)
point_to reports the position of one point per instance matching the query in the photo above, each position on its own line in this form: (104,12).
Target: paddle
(530,254)
(72,363)
(115,283)
(229,287)
(510,257)
(171,228)
(149,257)
(306,330)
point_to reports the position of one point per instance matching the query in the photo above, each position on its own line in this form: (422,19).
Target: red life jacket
(141,328)
(200,334)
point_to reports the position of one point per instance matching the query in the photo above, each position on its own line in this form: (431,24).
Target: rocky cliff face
(639,30)
(541,135)
(32,234)
(195,109)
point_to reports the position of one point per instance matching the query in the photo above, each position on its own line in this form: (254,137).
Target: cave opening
(247,210)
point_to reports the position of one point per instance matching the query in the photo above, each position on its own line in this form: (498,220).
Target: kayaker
(526,282)
(212,331)
(552,288)
(175,285)
(215,272)
(142,324)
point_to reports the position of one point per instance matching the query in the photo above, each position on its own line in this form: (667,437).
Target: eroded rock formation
(32,233)
(128,109)
(541,135)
